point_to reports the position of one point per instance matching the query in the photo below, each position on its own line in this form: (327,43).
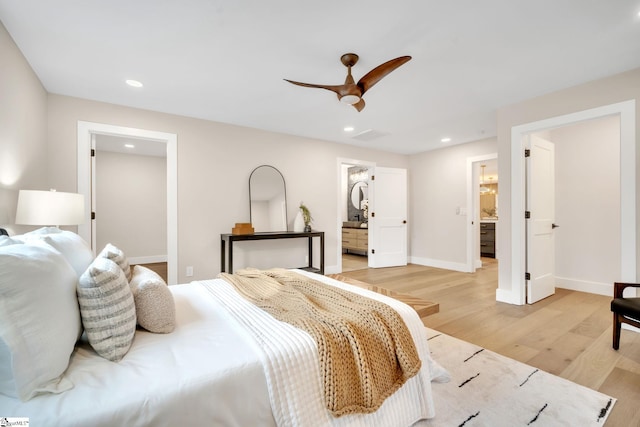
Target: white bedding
(209,371)
(192,376)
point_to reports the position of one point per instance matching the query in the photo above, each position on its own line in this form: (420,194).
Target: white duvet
(218,368)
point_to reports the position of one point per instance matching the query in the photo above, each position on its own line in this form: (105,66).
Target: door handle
(404,221)
(554,226)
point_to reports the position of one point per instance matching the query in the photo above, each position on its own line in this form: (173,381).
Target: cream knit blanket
(366,351)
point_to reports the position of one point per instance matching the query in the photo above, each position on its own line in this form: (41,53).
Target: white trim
(585,286)
(627,112)
(85,132)
(473,216)
(150,259)
(332,269)
(436,263)
(351,162)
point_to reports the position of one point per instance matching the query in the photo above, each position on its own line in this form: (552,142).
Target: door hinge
(527,152)
(527,276)
(93,215)
(93,152)
(527,214)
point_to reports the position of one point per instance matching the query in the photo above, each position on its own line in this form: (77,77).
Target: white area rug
(490,390)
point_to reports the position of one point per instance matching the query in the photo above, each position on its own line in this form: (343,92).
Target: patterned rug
(490,390)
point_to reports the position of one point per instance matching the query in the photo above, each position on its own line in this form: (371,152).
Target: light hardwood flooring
(567,334)
(351,262)
(158,267)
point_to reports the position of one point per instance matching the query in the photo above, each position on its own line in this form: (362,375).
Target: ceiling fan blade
(332,88)
(359,105)
(375,75)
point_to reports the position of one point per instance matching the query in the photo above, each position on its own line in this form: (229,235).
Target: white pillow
(43,230)
(6,241)
(73,247)
(39,320)
(107,309)
(155,308)
(116,255)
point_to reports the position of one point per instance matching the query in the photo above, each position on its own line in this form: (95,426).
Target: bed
(220,365)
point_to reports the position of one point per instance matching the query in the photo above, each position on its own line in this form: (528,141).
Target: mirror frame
(284,189)
(357,185)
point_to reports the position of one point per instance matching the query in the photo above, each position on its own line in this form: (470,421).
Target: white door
(541,207)
(387,217)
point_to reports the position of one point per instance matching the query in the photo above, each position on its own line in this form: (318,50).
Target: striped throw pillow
(117,255)
(107,309)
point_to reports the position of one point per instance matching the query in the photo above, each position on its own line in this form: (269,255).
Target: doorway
(86,142)
(474,164)
(626,112)
(131,173)
(349,261)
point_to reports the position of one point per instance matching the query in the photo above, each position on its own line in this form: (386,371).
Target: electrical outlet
(189,271)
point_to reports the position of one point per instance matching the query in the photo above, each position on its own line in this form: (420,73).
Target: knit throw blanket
(366,351)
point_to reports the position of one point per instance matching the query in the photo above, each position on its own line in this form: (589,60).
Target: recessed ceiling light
(129,146)
(349,128)
(133,83)
(445,140)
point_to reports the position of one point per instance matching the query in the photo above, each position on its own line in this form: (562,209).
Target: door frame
(86,130)
(626,111)
(342,181)
(473,215)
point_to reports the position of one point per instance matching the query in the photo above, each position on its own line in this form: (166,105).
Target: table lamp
(49,208)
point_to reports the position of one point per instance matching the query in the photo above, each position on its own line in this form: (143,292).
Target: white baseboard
(598,288)
(447,265)
(507,297)
(147,259)
(331,269)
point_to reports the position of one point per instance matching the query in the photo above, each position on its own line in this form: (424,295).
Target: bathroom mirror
(359,192)
(267,200)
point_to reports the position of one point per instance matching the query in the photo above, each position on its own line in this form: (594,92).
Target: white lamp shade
(49,208)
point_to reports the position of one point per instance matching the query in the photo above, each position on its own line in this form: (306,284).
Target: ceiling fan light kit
(350,99)
(351,92)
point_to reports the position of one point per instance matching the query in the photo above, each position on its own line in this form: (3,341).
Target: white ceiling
(225,60)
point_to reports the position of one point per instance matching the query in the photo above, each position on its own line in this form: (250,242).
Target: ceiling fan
(351,92)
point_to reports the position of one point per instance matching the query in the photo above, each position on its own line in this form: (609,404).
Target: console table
(231,238)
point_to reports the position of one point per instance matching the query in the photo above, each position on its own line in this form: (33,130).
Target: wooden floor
(158,267)
(352,262)
(567,334)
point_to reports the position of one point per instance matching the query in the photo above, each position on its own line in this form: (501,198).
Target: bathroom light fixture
(348,128)
(133,83)
(129,146)
(445,140)
(483,188)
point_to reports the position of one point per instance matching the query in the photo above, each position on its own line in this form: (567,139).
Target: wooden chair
(625,310)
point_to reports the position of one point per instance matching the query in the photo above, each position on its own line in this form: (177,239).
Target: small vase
(298,223)
(307,228)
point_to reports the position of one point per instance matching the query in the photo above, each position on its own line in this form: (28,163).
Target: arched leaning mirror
(267,199)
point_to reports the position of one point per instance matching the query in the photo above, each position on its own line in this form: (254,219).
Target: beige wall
(131,205)
(214,164)
(587,204)
(23,118)
(438,187)
(606,91)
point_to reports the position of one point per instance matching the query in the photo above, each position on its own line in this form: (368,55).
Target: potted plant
(306,217)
